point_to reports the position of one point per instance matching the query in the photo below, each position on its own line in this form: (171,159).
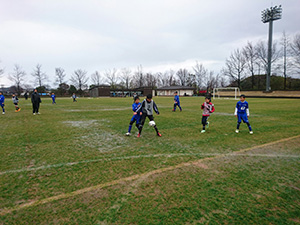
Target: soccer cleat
(237,131)
(3,113)
(180,110)
(203,131)
(173,110)
(19,109)
(207,124)
(34,114)
(38,113)
(139,135)
(158,134)
(128,134)
(251,132)
(16,110)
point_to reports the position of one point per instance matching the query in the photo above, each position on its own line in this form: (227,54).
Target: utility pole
(268,16)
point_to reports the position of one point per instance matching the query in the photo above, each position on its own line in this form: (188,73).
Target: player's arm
(139,109)
(155,108)
(212,108)
(202,106)
(236,110)
(247,110)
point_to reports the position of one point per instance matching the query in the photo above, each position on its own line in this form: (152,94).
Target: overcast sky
(157,34)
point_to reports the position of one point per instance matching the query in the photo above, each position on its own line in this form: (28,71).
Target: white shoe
(202,131)
(128,134)
(38,113)
(3,113)
(34,114)
(237,131)
(251,132)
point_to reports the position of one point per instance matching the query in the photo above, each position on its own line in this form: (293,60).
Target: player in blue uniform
(136,118)
(2,99)
(176,101)
(242,113)
(53,98)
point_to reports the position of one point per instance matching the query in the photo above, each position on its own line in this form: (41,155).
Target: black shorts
(16,103)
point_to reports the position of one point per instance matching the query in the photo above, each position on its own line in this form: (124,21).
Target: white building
(169,91)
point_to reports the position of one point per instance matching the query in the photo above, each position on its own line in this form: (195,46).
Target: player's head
(175,93)
(52,93)
(35,90)
(13,95)
(136,99)
(1,93)
(207,99)
(242,97)
(149,97)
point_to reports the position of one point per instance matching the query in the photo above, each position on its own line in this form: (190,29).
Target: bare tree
(150,80)
(96,78)
(126,77)
(138,79)
(112,77)
(261,49)
(60,75)
(17,76)
(1,71)
(251,60)
(235,66)
(183,75)
(200,74)
(79,79)
(295,50)
(39,76)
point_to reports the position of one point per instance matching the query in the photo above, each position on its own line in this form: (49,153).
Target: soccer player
(35,100)
(242,113)
(74,97)
(208,108)
(2,99)
(146,110)
(135,118)
(16,101)
(176,101)
(53,98)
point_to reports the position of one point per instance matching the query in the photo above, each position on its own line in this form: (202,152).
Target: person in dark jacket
(35,100)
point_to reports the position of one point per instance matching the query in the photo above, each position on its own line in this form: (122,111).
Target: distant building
(106,91)
(169,90)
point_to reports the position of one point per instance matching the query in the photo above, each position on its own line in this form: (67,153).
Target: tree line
(244,62)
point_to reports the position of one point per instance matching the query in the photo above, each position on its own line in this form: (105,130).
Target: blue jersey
(53,96)
(176,99)
(2,98)
(242,108)
(135,107)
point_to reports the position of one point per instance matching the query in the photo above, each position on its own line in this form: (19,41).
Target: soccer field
(73,164)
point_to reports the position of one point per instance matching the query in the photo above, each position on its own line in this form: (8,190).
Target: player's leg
(238,123)
(174,108)
(179,107)
(204,120)
(130,126)
(33,108)
(37,108)
(3,109)
(245,120)
(142,121)
(151,118)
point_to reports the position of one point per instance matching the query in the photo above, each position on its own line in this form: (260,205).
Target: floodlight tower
(268,16)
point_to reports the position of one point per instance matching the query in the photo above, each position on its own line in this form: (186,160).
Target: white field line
(5,211)
(144,156)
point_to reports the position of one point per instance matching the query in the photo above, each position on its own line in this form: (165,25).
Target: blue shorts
(136,119)
(242,116)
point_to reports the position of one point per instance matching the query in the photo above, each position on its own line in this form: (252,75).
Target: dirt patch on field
(80,124)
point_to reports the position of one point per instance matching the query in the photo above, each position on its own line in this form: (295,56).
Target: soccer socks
(250,128)
(238,126)
(155,127)
(129,128)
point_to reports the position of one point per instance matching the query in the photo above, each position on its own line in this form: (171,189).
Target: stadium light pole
(268,16)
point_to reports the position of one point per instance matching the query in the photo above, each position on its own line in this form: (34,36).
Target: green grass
(236,189)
